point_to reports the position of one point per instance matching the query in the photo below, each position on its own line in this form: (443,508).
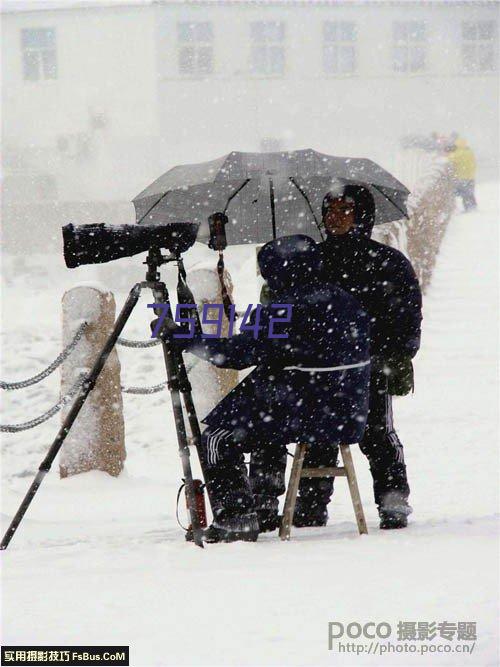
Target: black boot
(243,528)
(393,520)
(269,520)
(307,515)
(394,511)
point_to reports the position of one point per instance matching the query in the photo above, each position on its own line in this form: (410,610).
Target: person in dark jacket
(383,281)
(310,383)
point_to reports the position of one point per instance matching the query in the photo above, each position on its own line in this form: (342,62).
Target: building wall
(120,65)
(106,71)
(363,114)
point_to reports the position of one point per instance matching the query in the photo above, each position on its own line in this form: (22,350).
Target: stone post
(96,440)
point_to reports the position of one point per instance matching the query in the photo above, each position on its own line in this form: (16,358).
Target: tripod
(178,385)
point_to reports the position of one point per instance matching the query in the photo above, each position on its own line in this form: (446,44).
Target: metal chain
(156,387)
(16,428)
(138,343)
(9,386)
(144,390)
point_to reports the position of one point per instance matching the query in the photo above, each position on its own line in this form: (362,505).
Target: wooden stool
(298,472)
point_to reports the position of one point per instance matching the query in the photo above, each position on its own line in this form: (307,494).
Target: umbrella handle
(226,299)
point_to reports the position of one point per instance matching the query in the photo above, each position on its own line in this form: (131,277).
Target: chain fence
(25,426)
(32,423)
(125,342)
(10,386)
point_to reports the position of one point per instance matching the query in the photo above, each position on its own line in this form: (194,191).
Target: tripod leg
(172,364)
(185,387)
(194,424)
(85,390)
(177,382)
(184,295)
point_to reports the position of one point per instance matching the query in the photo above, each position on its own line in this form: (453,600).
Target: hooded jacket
(380,277)
(311,384)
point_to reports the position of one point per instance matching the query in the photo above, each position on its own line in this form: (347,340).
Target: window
(196,53)
(339,47)
(267,56)
(38,47)
(478,46)
(409,46)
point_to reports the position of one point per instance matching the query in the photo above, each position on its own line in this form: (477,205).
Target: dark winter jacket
(380,278)
(302,389)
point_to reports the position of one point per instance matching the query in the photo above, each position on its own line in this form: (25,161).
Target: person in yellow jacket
(463,162)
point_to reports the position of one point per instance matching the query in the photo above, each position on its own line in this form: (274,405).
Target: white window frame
(335,48)
(195,49)
(412,46)
(474,45)
(38,54)
(267,51)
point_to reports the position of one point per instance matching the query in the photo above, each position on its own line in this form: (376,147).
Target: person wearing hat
(383,281)
(310,384)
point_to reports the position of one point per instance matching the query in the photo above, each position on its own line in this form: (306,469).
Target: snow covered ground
(102,561)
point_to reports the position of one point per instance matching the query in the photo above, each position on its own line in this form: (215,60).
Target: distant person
(462,159)
(439,142)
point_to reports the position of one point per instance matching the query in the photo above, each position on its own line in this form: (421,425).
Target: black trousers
(465,190)
(383,449)
(380,444)
(233,490)
(230,489)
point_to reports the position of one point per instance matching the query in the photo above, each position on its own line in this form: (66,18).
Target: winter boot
(308,515)
(394,511)
(268,520)
(393,520)
(244,528)
(267,508)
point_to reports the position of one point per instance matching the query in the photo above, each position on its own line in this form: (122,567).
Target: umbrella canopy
(265,195)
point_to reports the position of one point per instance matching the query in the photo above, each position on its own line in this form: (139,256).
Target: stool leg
(291,492)
(353,488)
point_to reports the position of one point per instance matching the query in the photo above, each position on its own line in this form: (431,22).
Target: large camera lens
(99,243)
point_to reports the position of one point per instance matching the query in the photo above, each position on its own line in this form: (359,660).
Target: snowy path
(101,561)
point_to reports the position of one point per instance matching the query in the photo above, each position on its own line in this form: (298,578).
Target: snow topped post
(210,384)
(96,440)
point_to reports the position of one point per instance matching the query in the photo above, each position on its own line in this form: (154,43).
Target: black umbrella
(265,195)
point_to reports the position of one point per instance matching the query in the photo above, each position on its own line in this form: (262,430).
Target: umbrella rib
(237,191)
(152,207)
(392,202)
(273,209)
(292,179)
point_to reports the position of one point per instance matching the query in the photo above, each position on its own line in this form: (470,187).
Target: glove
(168,329)
(399,372)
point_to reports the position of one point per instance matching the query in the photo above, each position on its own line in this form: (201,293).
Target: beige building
(99,98)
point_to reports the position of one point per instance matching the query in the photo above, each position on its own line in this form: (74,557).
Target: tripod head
(155,259)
